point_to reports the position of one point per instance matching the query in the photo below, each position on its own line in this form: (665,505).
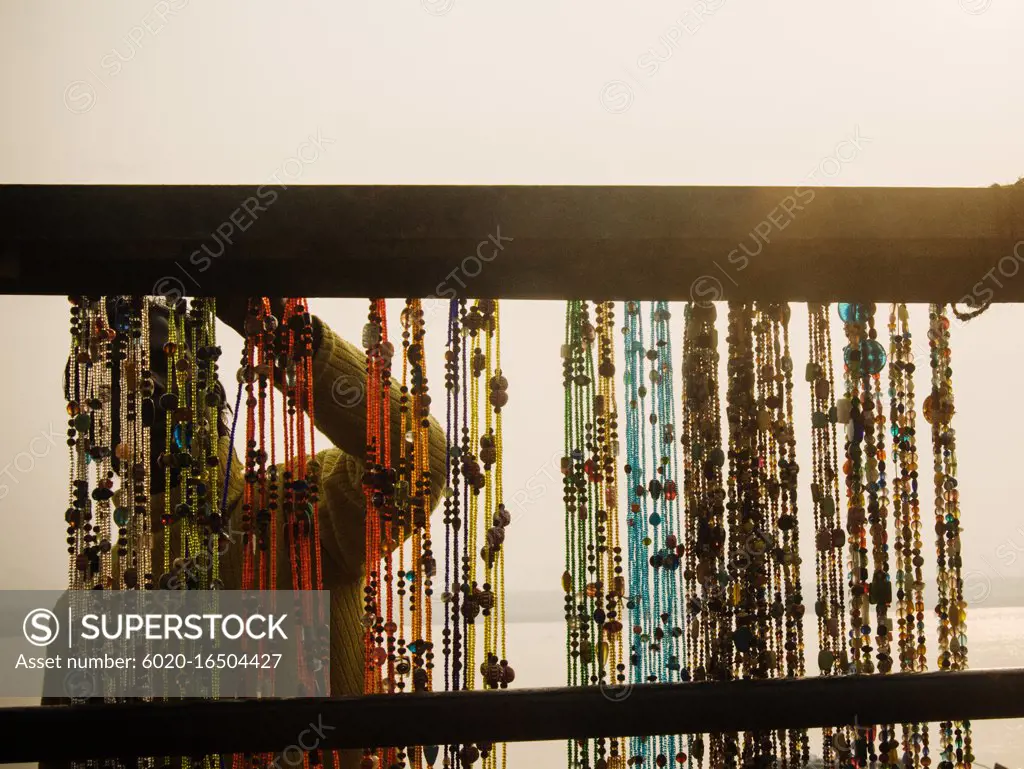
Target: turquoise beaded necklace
(656,587)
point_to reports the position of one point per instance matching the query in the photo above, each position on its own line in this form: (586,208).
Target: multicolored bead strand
(906,510)
(582,566)
(954,737)
(412,495)
(777,439)
(870,582)
(379,480)
(709,607)
(830,537)
(749,568)
(89,440)
(378,485)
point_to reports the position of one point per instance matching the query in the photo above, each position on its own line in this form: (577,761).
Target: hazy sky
(449,91)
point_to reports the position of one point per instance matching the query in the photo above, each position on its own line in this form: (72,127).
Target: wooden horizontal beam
(517,242)
(202,727)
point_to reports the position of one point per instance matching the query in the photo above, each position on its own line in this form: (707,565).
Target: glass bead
(371,335)
(873,356)
(671,491)
(182,435)
(938,409)
(853,313)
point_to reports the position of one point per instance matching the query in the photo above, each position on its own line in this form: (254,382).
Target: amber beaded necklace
(605,476)
(754,578)
(709,616)
(830,538)
(868,498)
(412,495)
(777,440)
(907,520)
(379,486)
(951,609)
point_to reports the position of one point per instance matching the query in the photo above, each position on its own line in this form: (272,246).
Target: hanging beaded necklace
(487,373)
(709,618)
(951,609)
(414,658)
(907,520)
(132,517)
(260,502)
(453,522)
(131,436)
(176,459)
(193,439)
(777,440)
(658,646)
(749,529)
(91,434)
(862,411)
(412,495)
(474,475)
(830,538)
(379,485)
(301,478)
(261,497)
(637,521)
(88,398)
(583,568)
(604,474)
(593,580)
(379,480)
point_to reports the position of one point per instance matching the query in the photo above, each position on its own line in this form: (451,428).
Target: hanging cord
(970,314)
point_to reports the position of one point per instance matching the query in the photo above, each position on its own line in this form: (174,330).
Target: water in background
(996,635)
